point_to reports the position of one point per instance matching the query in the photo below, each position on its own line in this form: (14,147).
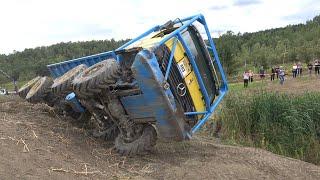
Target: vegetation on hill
(270,47)
(30,62)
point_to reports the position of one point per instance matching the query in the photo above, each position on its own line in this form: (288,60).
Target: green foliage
(227,51)
(270,47)
(284,124)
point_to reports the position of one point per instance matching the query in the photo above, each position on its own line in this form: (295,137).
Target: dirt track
(36,145)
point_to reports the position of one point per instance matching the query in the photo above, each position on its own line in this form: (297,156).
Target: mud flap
(155,101)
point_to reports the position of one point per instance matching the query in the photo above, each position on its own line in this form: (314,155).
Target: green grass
(288,125)
(9,85)
(235,87)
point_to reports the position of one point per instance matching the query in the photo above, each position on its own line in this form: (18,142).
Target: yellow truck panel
(179,53)
(184,67)
(195,93)
(188,75)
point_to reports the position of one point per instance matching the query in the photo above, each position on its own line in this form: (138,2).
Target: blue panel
(59,69)
(138,107)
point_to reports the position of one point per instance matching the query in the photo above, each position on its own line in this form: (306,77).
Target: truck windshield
(193,40)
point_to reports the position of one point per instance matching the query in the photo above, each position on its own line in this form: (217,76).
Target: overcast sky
(32,23)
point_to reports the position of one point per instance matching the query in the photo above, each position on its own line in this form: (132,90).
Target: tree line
(292,43)
(31,62)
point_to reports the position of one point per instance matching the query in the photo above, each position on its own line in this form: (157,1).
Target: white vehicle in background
(3,91)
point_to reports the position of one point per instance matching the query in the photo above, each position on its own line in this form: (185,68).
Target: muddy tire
(110,133)
(39,90)
(96,77)
(23,91)
(62,84)
(141,145)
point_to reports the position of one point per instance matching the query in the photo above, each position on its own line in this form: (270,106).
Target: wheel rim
(30,83)
(35,88)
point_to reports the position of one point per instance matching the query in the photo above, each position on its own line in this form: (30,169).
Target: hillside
(292,43)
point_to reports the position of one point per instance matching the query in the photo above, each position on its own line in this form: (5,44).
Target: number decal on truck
(184,68)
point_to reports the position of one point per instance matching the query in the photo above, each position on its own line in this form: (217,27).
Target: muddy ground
(36,144)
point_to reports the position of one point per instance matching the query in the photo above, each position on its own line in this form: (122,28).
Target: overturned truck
(166,82)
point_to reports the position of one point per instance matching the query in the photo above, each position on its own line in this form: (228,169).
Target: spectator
(277,71)
(281,75)
(310,68)
(250,76)
(316,66)
(246,78)
(261,73)
(294,70)
(299,69)
(273,73)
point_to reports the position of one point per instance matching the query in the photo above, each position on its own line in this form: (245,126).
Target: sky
(33,23)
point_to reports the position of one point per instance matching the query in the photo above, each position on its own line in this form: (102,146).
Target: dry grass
(283,119)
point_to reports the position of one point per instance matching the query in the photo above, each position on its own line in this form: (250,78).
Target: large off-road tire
(23,91)
(62,84)
(39,90)
(109,133)
(112,133)
(141,145)
(96,77)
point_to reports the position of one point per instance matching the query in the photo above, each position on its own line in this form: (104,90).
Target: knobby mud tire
(96,77)
(39,90)
(141,145)
(109,134)
(63,84)
(23,91)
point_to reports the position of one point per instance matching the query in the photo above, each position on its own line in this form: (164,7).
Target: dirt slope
(36,145)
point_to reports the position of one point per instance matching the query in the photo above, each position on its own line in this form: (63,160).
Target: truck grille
(174,79)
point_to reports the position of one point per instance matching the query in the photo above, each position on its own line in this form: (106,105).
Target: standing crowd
(278,72)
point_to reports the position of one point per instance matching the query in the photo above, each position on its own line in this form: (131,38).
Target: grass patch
(288,125)
(235,87)
(9,85)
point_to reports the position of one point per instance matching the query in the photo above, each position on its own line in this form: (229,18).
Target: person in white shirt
(294,70)
(246,78)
